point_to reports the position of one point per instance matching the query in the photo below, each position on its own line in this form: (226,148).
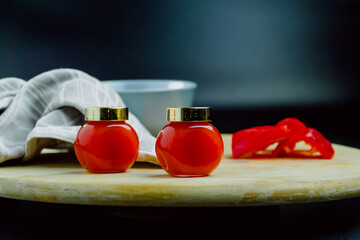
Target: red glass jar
(106,143)
(189,146)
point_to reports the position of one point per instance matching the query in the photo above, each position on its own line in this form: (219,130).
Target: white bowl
(148,99)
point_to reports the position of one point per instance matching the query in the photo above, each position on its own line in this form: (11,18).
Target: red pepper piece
(292,124)
(317,142)
(255,139)
(287,133)
(299,132)
(296,129)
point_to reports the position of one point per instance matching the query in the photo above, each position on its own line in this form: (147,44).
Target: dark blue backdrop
(282,56)
(242,53)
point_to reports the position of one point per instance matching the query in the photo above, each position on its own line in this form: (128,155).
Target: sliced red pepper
(293,125)
(254,139)
(317,142)
(320,143)
(296,129)
(287,133)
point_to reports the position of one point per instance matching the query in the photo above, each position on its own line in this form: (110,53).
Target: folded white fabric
(48,110)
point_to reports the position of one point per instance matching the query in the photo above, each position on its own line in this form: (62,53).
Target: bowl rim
(188,85)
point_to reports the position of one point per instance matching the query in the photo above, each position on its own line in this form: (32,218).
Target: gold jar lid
(106,114)
(187,114)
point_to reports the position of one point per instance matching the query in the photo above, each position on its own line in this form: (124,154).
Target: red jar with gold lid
(189,146)
(106,143)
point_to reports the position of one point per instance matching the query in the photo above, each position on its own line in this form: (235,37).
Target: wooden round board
(59,178)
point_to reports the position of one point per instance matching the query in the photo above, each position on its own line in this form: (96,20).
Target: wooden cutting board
(59,178)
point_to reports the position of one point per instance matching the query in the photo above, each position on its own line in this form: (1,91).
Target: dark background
(255,62)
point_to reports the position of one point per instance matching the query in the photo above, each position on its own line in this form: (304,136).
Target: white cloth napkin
(48,110)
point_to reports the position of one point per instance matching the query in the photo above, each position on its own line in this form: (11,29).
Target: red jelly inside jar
(189,146)
(106,143)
